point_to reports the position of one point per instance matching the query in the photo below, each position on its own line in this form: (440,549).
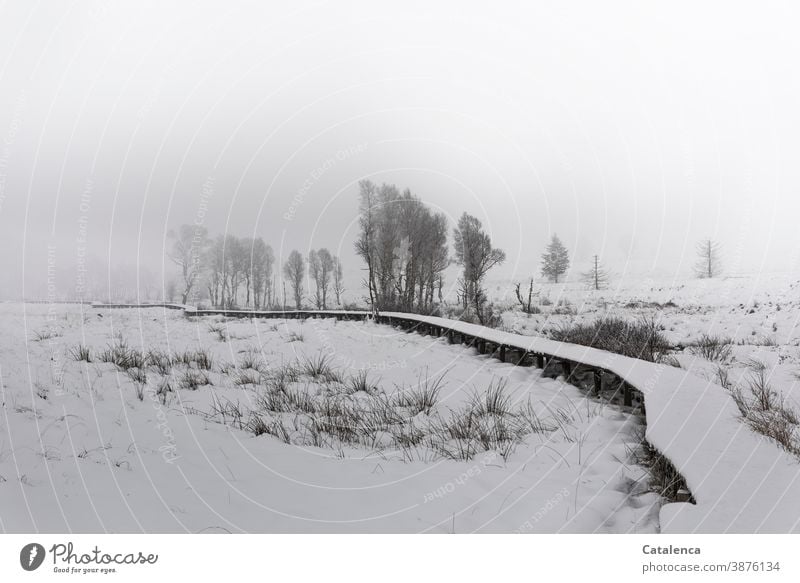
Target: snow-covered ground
(758,313)
(86,447)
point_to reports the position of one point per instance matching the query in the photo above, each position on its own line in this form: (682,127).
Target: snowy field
(757,316)
(219,429)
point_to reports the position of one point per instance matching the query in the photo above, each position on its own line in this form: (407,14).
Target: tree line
(231,272)
(404,246)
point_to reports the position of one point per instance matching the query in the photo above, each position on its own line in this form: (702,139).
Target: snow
(741,481)
(759,313)
(227,479)
(80,452)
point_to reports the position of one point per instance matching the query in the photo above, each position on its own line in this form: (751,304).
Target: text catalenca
(670,550)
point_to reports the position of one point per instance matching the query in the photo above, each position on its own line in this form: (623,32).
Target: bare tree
(338,280)
(709,262)
(245,263)
(526,303)
(272,297)
(237,263)
(262,260)
(293,271)
(325,275)
(314,270)
(475,253)
(597,277)
(217,275)
(365,244)
(555,260)
(320,267)
(189,245)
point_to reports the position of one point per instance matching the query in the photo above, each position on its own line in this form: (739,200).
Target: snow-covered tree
(555,260)
(597,277)
(709,262)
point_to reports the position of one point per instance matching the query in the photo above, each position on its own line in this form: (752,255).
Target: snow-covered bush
(713,348)
(640,338)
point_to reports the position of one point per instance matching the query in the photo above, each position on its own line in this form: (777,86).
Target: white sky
(631,129)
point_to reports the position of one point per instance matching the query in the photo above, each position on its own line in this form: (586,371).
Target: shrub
(360,383)
(494,402)
(81,353)
(160,360)
(764,411)
(123,356)
(251,359)
(194,379)
(564,308)
(319,367)
(423,397)
(219,330)
(137,375)
(246,377)
(641,338)
(45,334)
(713,348)
(202,358)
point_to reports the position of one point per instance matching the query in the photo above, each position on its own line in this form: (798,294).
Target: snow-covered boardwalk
(740,481)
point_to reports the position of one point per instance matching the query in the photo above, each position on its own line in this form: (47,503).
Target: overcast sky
(631,130)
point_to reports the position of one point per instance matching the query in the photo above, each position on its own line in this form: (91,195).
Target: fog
(631,130)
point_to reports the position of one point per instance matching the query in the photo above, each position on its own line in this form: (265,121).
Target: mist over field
(630,131)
